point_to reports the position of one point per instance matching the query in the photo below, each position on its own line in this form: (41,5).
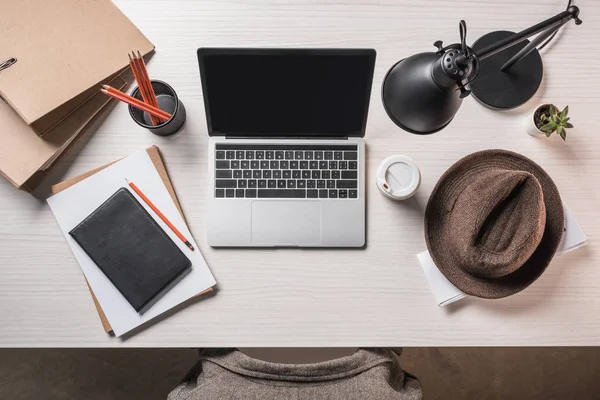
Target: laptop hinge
(287,137)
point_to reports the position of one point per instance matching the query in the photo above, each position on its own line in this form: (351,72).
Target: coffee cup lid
(398,177)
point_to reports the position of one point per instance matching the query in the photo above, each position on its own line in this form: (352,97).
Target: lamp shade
(418,94)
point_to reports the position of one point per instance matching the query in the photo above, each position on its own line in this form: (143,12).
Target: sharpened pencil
(142,67)
(137,74)
(160,214)
(132,101)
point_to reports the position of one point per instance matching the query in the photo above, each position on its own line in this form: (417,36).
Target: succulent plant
(557,121)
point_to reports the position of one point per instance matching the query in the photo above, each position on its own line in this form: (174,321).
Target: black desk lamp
(423,92)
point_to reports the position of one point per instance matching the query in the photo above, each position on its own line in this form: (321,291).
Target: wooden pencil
(137,74)
(160,214)
(151,93)
(132,101)
(147,84)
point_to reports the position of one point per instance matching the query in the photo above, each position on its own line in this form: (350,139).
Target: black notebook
(131,249)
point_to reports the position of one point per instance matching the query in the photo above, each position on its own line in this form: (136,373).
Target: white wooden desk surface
(376,296)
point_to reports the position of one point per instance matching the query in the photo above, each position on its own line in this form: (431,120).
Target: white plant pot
(530,124)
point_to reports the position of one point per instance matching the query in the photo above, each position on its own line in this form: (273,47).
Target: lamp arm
(529,48)
(549,25)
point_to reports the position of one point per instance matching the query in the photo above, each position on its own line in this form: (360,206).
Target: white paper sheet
(74,204)
(443,291)
(573,237)
(446,293)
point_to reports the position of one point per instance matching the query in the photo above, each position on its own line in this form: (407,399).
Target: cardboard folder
(23,153)
(63,49)
(157,160)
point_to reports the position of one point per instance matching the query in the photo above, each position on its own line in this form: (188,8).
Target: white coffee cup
(398,177)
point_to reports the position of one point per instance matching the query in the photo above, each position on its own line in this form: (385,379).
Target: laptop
(286,155)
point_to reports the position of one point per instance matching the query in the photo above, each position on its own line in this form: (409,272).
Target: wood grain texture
(377,296)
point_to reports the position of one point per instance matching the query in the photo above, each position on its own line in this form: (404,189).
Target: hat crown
(498,221)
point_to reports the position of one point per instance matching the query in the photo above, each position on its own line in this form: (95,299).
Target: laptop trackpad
(286,222)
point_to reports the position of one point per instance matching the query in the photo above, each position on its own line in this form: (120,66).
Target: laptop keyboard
(286,171)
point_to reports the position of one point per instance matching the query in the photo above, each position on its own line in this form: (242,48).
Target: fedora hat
(493,223)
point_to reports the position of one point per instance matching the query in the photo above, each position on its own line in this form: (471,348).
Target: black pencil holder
(167,101)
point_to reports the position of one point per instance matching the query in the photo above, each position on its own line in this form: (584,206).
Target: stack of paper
(73,204)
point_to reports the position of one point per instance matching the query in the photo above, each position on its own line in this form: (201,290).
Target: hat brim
(454,181)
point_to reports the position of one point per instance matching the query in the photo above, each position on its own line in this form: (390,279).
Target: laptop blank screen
(286,92)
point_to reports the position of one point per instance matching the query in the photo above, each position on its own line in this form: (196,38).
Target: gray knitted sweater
(368,374)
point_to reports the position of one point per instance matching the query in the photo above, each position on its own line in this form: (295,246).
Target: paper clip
(7,63)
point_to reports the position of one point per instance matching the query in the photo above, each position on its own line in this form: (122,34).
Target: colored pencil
(145,83)
(151,93)
(132,101)
(141,86)
(160,214)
